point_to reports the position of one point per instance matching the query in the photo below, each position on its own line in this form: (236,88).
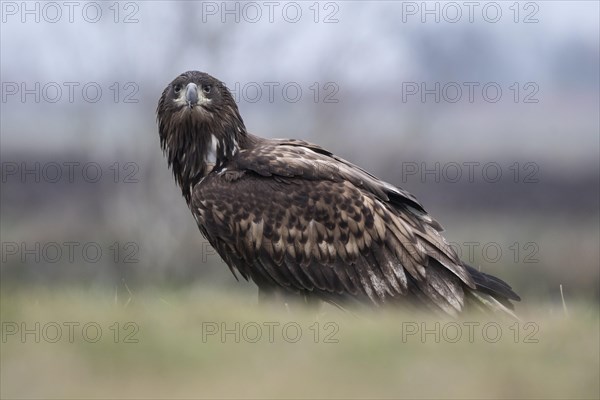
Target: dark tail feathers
(491,290)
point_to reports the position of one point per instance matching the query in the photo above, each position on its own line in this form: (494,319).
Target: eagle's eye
(177,88)
(206,89)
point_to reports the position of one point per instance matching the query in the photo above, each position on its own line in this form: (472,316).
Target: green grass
(353,356)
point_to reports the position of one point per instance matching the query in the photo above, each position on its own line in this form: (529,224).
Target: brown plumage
(298,220)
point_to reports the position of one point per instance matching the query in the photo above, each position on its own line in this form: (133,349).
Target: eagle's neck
(198,149)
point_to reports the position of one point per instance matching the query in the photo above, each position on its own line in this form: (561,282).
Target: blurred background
(488,112)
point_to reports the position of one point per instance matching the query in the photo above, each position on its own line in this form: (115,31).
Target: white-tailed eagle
(300,221)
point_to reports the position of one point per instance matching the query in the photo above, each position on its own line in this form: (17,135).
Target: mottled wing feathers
(289,157)
(325,227)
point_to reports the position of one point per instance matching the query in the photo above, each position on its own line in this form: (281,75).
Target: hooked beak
(191,94)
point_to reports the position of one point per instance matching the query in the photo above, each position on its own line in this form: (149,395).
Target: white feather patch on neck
(211,155)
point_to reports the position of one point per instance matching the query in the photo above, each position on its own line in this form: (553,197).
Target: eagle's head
(200,126)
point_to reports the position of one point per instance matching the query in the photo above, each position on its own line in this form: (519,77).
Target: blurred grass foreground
(204,343)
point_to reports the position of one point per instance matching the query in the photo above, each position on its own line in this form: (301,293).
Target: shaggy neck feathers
(196,146)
